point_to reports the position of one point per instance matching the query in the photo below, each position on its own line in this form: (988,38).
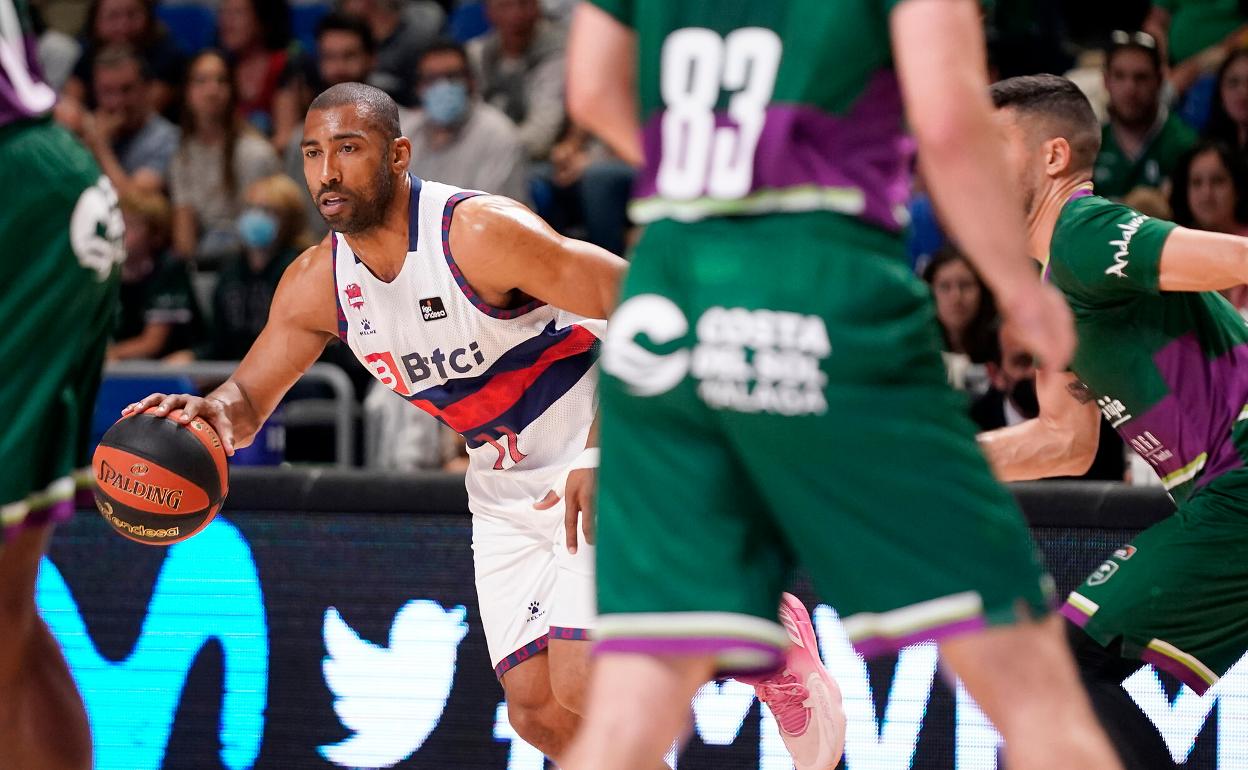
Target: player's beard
(368,209)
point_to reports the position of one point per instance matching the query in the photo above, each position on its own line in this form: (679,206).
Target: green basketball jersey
(768,106)
(1169,370)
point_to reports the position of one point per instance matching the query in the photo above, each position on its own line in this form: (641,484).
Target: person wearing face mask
(458,139)
(272,232)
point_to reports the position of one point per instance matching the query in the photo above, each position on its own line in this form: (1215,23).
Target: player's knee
(537,725)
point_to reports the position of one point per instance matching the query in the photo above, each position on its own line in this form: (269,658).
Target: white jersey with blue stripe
(518,384)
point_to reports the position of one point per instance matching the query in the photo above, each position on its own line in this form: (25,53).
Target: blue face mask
(445,101)
(257,228)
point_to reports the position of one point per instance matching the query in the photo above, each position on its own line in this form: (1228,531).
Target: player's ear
(401,154)
(1057,156)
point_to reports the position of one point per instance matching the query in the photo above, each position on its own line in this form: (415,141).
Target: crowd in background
(194,110)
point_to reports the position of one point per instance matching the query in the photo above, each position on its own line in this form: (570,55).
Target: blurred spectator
(218,156)
(1150,202)
(967,317)
(272,231)
(400,438)
(132,23)
(255,35)
(519,69)
(1195,35)
(1228,119)
(456,138)
(1211,190)
(591,186)
(1141,142)
(132,143)
(1211,193)
(1011,399)
(159,314)
(344,54)
(402,29)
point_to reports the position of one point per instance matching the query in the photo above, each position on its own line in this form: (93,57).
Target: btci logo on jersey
(431,309)
(420,367)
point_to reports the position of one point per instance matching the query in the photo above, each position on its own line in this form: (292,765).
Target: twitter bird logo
(391,697)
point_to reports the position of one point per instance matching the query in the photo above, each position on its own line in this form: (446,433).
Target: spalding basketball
(158,481)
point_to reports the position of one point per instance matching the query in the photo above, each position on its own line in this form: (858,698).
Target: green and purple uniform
(1169,370)
(62,233)
(773,391)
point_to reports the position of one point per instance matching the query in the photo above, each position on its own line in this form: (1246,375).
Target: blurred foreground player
(62,233)
(774,368)
(470,307)
(1165,359)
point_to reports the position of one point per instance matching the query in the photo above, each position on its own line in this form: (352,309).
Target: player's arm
(1062,441)
(938,49)
(1195,260)
(302,320)
(601,87)
(501,247)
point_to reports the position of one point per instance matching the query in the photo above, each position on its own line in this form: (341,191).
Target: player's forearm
(601,81)
(1194,260)
(244,418)
(1034,449)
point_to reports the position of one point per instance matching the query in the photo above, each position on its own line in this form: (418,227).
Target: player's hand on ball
(578,492)
(210,410)
(1044,325)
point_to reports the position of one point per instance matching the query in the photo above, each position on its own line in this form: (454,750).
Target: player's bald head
(374,107)
(1052,107)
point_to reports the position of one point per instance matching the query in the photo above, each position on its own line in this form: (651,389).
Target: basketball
(158,481)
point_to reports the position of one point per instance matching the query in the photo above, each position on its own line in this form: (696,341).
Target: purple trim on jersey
(503,314)
(333,263)
(1074,614)
(697,646)
(56,513)
(413,213)
(12,108)
(872,646)
(570,634)
(1199,413)
(1175,669)
(865,149)
(521,655)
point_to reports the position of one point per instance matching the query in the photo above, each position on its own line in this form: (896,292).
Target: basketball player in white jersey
(472,308)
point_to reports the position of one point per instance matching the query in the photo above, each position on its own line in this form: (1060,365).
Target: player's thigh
(515,575)
(1177,595)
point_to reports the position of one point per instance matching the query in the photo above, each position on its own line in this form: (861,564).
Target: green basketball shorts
(62,236)
(773,396)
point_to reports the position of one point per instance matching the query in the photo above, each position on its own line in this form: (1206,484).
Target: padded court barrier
(328,619)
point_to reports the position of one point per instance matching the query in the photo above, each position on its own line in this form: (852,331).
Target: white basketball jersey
(517,384)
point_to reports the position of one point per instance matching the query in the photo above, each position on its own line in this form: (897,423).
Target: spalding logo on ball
(158,481)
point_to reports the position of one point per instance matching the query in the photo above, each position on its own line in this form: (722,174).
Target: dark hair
(115,56)
(233,123)
(444,45)
(1181,179)
(149,11)
(273,17)
(984,322)
(1060,105)
(372,104)
(341,22)
(1133,41)
(1220,125)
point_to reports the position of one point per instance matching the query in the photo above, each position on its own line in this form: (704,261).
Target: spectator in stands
(159,314)
(132,142)
(1211,193)
(967,316)
(1011,399)
(1196,35)
(456,138)
(519,69)
(255,35)
(402,29)
(344,54)
(272,231)
(1228,120)
(1142,141)
(132,23)
(591,186)
(219,155)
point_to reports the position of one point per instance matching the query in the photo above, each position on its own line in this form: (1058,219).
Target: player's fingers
(144,403)
(169,403)
(547,502)
(587,518)
(226,432)
(570,516)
